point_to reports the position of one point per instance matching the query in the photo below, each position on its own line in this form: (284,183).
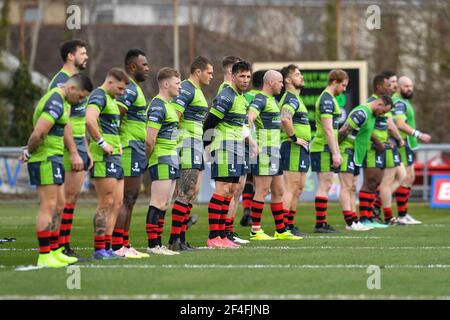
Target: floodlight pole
(176,41)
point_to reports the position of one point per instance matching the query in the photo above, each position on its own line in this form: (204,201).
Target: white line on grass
(250,266)
(239,296)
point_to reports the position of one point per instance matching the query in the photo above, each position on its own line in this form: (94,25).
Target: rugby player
(379,155)
(354,136)
(227,65)
(44,154)
(394,171)
(77,159)
(245,187)
(103,126)
(404,117)
(227,118)
(295,137)
(191,107)
(264,114)
(133,131)
(325,156)
(162,155)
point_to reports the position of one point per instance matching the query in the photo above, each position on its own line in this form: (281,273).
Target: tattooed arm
(345,130)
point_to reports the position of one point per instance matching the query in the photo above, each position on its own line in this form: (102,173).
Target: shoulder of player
(358,115)
(188,86)
(399,107)
(158,104)
(55,98)
(290,98)
(227,95)
(58,80)
(53,104)
(98,97)
(260,99)
(326,98)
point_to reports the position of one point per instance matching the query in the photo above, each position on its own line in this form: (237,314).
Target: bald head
(273,82)
(404,80)
(272,75)
(406,87)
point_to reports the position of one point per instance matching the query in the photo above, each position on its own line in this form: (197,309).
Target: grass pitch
(414,261)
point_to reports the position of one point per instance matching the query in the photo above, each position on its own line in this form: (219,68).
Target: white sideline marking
(162,296)
(250,266)
(28,268)
(349,248)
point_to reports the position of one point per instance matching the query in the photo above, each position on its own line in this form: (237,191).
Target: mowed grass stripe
(237,296)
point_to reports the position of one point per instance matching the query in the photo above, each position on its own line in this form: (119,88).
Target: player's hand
(401,143)
(77,162)
(425,138)
(107,149)
(391,144)
(303,143)
(120,149)
(379,147)
(253,148)
(25,155)
(337,160)
(91,163)
(207,154)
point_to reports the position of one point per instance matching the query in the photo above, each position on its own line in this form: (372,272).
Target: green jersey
(231,107)
(52,107)
(133,127)
(293,103)
(250,95)
(268,121)
(362,121)
(163,117)
(326,108)
(108,122)
(77,111)
(381,123)
(191,103)
(224,85)
(403,109)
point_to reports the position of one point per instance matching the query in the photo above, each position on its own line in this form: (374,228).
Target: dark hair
(166,73)
(388,73)
(83,82)
(286,71)
(241,66)
(229,61)
(337,75)
(71,46)
(258,79)
(387,100)
(118,74)
(132,54)
(378,80)
(201,63)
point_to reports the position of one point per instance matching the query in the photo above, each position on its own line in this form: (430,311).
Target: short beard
(80,66)
(299,87)
(407,96)
(140,77)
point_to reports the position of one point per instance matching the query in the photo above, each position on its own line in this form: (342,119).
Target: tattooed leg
(187,185)
(100,221)
(105,188)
